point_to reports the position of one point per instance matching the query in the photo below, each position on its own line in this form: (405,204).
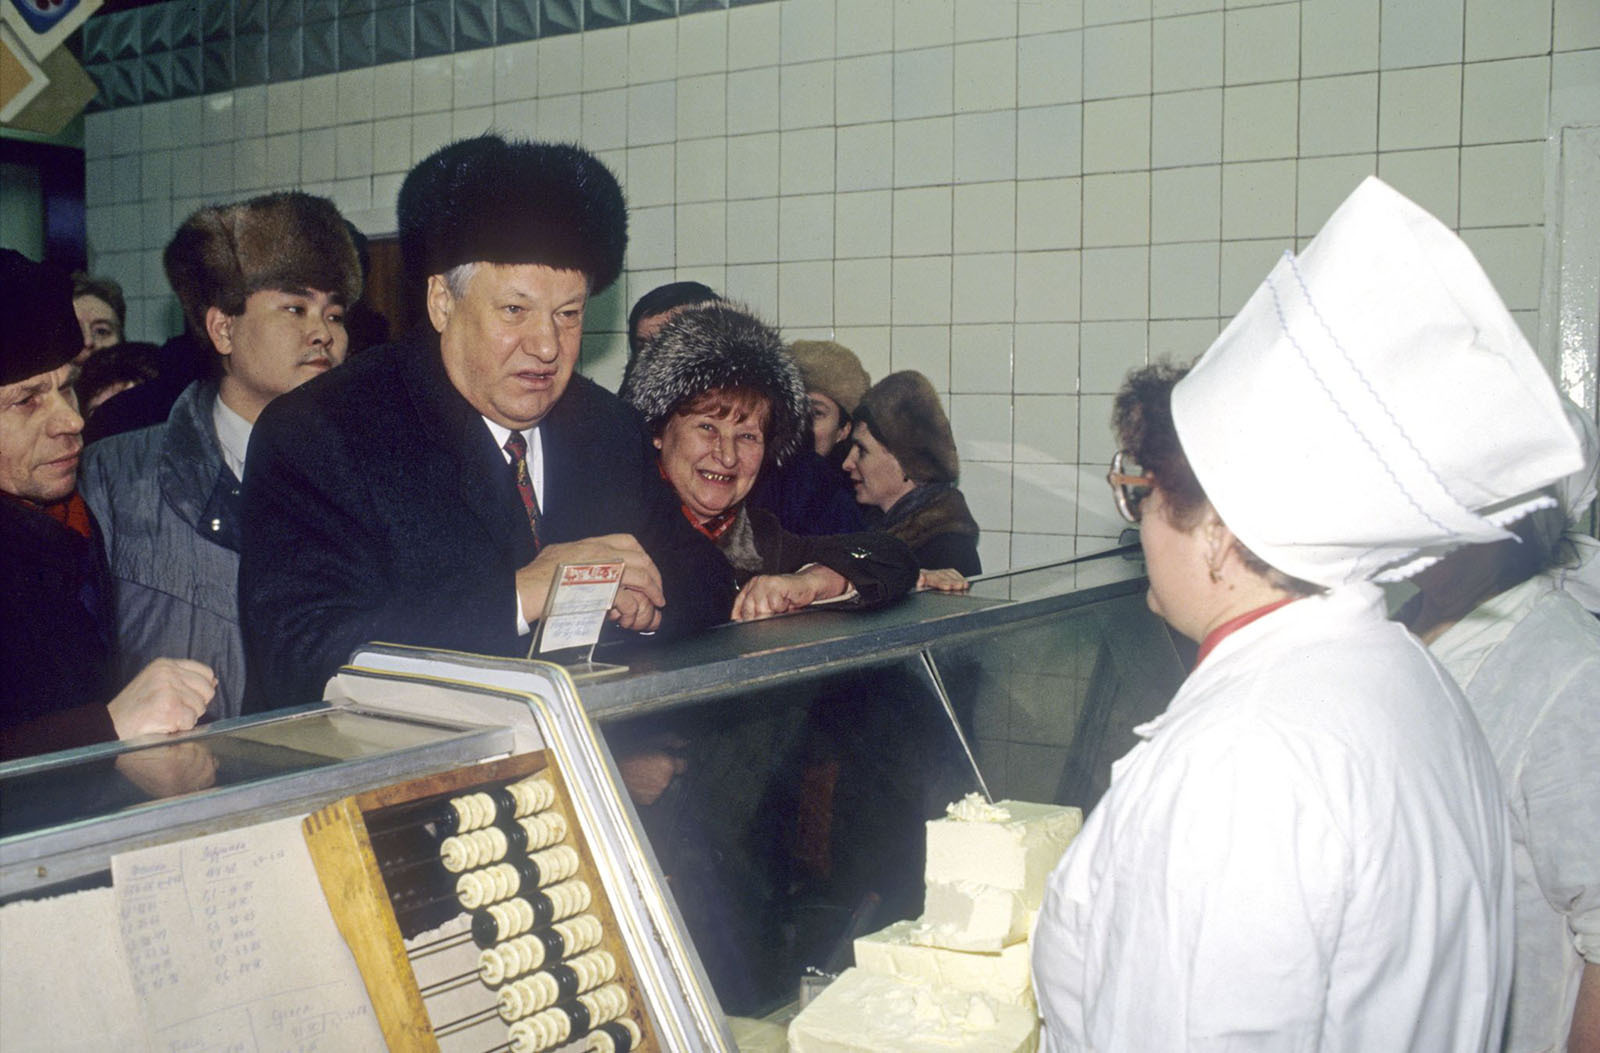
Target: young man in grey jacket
(266,283)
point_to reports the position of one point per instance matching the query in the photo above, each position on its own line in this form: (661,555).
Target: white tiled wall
(1021,198)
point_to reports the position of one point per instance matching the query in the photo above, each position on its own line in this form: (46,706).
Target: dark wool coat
(809,495)
(880,568)
(56,652)
(377,507)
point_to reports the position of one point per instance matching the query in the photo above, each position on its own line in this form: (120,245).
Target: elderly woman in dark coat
(723,399)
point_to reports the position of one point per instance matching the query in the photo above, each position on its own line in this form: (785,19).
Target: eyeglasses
(1128,489)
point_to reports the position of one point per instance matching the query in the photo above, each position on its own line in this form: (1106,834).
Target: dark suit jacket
(377,507)
(56,622)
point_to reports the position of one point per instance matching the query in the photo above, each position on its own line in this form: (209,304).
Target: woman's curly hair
(1142,419)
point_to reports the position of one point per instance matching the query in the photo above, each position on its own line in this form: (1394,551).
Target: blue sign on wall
(44,15)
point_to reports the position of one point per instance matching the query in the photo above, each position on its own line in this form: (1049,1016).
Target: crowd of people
(373,506)
(1313,846)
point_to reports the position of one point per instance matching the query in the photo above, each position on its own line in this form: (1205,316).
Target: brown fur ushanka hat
(486,200)
(904,413)
(223,253)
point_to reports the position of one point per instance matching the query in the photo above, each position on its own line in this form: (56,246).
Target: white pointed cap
(1374,404)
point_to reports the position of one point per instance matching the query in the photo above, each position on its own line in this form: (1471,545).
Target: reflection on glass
(794,819)
(197,762)
(171,770)
(791,817)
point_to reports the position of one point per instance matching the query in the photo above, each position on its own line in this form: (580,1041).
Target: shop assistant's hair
(720,347)
(1141,416)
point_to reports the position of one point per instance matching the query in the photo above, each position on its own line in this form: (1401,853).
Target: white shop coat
(1529,662)
(1308,852)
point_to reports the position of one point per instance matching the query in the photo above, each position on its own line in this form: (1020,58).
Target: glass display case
(783,771)
(759,789)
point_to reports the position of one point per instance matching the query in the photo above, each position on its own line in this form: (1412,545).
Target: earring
(1215,577)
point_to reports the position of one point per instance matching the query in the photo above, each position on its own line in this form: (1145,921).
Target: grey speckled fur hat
(904,414)
(720,345)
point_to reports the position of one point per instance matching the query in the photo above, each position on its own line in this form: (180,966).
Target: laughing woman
(723,399)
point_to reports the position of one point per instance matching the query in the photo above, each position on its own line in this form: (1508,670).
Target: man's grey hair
(457,277)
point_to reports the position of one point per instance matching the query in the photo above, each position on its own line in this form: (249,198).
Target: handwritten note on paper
(232,946)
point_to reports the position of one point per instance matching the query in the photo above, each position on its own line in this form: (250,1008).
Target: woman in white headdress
(1506,620)
(1310,850)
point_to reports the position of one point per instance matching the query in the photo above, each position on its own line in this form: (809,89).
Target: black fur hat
(40,333)
(903,412)
(289,240)
(719,345)
(486,200)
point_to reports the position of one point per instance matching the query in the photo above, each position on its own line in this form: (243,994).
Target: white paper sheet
(64,984)
(231,946)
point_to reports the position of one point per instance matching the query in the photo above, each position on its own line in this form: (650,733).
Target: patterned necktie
(517,447)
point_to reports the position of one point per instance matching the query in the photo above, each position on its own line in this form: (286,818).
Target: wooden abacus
(559,980)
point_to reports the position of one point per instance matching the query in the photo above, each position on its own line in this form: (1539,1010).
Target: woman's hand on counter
(767,594)
(943,580)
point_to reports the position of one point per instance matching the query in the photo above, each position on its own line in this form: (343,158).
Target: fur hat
(720,345)
(904,414)
(41,331)
(833,370)
(486,200)
(223,253)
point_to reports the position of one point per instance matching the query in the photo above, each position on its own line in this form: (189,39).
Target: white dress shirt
(233,435)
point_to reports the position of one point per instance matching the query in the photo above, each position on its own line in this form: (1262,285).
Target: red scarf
(70,512)
(1227,628)
(712,528)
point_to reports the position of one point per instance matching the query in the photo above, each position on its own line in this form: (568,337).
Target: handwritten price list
(231,946)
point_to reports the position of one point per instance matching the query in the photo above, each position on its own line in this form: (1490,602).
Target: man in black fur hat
(58,688)
(425,493)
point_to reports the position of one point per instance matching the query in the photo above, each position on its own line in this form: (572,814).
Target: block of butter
(969,916)
(862,1012)
(1011,845)
(986,869)
(901,951)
